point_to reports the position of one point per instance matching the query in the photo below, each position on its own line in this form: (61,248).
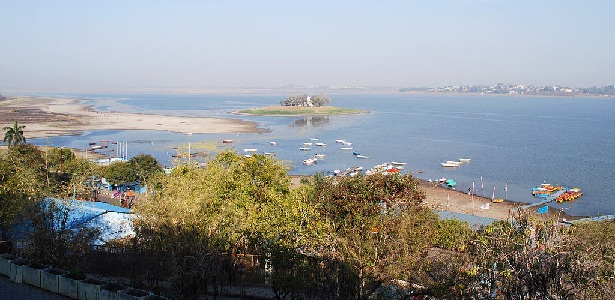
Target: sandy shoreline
(53,117)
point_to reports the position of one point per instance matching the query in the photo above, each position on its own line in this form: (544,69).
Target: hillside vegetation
(235,220)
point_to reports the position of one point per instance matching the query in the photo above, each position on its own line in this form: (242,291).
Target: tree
(14,135)
(22,181)
(145,166)
(320,100)
(120,172)
(378,227)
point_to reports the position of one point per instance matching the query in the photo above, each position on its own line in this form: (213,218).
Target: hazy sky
(192,44)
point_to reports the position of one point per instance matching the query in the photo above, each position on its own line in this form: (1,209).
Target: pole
(472,197)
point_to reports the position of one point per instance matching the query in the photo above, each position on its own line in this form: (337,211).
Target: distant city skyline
(127,45)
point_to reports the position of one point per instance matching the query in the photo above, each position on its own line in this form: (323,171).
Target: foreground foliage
(237,220)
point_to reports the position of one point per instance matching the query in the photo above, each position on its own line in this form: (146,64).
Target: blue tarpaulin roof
(475,222)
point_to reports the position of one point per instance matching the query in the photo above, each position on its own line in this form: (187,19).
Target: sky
(150,44)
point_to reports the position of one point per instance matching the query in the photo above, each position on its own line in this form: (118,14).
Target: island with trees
(301,105)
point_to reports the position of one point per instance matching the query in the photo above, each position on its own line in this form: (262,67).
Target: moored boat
(449,165)
(305,148)
(465,160)
(310,161)
(250,150)
(227,141)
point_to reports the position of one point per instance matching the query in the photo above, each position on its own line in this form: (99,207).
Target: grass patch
(299,111)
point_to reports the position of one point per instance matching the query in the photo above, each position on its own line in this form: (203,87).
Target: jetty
(550,198)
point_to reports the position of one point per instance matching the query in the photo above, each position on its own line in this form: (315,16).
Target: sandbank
(54,117)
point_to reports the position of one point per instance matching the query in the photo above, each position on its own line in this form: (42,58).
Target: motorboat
(465,160)
(273,143)
(305,148)
(250,150)
(227,141)
(320,144)
(449,165)
(320,155)
(310,161)
(362,156)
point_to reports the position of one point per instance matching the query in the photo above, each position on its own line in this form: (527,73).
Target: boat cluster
(454,164)
(448,182)
(561,194)
(386,168)
(569,195)
(546,190)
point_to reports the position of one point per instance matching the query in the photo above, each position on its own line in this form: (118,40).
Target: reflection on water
(315,121)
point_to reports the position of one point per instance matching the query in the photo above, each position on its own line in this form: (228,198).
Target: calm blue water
(523,140)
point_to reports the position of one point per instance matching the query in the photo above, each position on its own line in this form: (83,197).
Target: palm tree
(14,135)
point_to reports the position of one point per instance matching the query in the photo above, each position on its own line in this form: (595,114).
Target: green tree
(23,180)
(320,100)
(120,172)
(145,166)
(378,226)
(14,135)
(235,205)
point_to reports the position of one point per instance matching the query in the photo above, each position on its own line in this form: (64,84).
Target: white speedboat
(310,161)
(449,165)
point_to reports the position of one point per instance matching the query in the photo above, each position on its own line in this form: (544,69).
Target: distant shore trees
(305,100)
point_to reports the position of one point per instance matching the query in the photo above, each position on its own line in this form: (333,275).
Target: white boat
(398,165)
(313,139)
(227,141)
(305,148)
(339,141)
(273,143)
(362,156)
(310,161)
(270,154)
(250,150)
(453,162)
(320,144)
(347,143)
(465,160)
(307,144)
(346,148)
(96,147)
(320,155)
(449,165)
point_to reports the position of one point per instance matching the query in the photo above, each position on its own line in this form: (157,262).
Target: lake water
(523,140)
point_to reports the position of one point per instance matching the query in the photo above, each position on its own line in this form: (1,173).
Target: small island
(301,105)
